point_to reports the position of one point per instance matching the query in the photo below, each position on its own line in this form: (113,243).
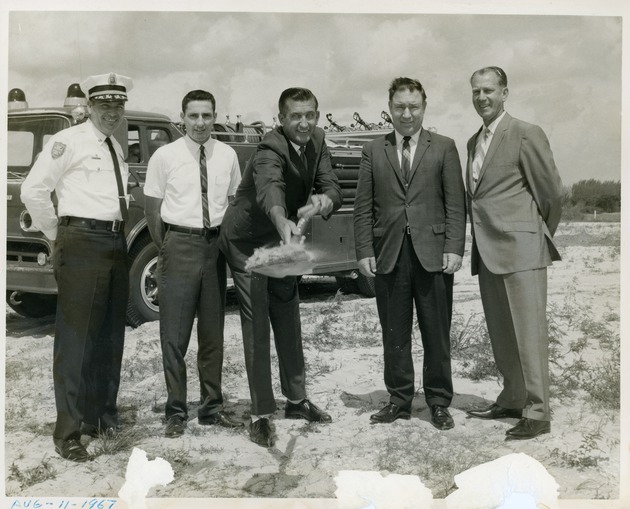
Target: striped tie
(406,158)
(203,173)
(480,153)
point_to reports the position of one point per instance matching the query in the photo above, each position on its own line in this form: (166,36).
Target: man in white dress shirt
(84,165)
(188,187)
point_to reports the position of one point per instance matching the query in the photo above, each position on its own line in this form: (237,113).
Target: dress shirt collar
(413,141)
(493,126)
(194,146)
(99,135)
(297,147)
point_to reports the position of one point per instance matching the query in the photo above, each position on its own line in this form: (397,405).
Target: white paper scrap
(141,476)
(370,490)
(489,485)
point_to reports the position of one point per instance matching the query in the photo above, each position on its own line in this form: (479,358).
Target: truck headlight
(26,222)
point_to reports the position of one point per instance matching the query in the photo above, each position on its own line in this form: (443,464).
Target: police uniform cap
(107,87)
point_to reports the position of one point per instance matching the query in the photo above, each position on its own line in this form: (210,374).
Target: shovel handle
(305,214)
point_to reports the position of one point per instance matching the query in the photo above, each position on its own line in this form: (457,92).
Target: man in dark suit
(514,199)
(409,227)
(291,167)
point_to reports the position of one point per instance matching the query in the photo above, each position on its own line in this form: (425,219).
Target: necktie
(303,157)
(121,192)
(406,158)
(203,174)
(480,153)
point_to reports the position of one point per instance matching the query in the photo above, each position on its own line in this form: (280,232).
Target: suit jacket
(516,206)
(275,175)
(433,203)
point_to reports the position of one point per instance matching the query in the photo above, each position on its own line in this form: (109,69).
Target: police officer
(84,165)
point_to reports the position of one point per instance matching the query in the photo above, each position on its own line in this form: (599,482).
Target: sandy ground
(344,370)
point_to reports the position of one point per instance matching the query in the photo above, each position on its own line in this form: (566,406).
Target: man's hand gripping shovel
(288,259)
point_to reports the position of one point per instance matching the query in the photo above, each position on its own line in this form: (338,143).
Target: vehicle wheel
(347,284)
(143,303)
(366,285)
(32,305)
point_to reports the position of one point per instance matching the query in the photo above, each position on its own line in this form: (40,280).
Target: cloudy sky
(564,70)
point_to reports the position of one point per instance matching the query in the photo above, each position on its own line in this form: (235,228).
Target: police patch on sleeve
(58,149)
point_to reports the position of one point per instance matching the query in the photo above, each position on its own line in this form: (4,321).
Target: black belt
(93,224)
(202,232)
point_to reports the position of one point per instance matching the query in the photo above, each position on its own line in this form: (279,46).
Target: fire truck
(30,284)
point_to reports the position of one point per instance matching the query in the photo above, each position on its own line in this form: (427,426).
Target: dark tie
(303,157)
(406,158)
(203,173)
(121,192)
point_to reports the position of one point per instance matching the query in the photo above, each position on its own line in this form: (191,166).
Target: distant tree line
(589,196)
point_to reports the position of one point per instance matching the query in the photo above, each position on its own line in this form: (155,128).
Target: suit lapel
(497,138)
(423,144)
(392,154)
(471,154)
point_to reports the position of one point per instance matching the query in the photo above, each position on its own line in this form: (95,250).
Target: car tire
(32,305)
(366,285)
(143,305)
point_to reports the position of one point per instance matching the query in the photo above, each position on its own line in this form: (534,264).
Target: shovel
(291,259)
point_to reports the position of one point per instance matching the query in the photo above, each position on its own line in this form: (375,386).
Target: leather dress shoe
(260,432)
(495,411)
(389,414)
(71,449)
(175,427)
(528,428)
(221,419)
(306,410)
(441,417)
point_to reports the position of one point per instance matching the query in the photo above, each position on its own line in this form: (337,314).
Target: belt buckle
(408,230)
(116,225)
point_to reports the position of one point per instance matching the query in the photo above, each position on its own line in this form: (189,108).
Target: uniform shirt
(77,165)
(173,177)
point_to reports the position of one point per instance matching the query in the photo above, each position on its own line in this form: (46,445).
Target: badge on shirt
(58,149)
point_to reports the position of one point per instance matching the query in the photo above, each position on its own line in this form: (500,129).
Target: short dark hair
(500,73)
(198,95)
(406,84)
(296,94)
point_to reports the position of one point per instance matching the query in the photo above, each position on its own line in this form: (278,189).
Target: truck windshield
(27,136)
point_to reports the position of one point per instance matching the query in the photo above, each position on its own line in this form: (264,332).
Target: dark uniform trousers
(432,293)
(92,276)
(192,280)
(263,300)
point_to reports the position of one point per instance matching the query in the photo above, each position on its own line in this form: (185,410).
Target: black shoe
(441,418)
(221,419)
(260,432)
(389,414)
(306,410)
(72,450)
(94,431)
(495,411)
(175,427)
(528,428)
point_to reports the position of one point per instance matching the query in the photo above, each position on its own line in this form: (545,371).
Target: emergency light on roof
(75,96)
(17,100)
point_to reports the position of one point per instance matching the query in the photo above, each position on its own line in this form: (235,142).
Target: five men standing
(410,228)
(514,201)
(409,225)
(188,186)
